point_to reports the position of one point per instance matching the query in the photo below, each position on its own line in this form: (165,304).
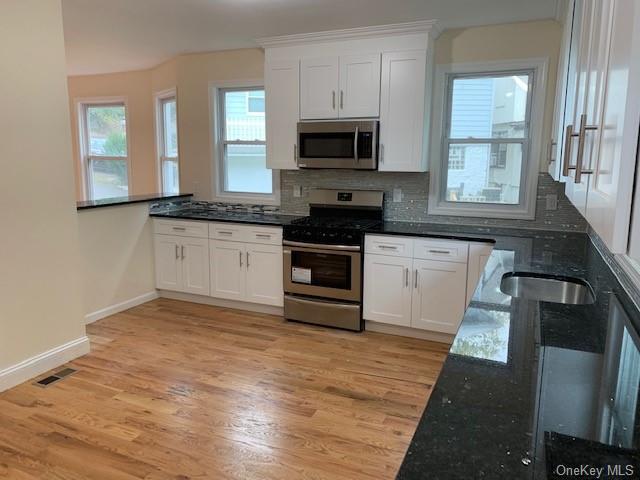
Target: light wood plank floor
(175,390)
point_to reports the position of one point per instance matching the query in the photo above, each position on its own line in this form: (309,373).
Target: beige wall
(40,300)
(508,42)
(136,88)
(116,249)
(195,75)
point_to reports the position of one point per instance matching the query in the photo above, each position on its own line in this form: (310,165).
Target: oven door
(352,144)
(327,271)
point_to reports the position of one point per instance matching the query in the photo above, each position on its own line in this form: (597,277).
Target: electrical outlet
(297,191)
(551,202)
(397,195)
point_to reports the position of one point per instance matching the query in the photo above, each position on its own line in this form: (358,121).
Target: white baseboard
(120,307)
(38,364)
(220,302)
(408,332)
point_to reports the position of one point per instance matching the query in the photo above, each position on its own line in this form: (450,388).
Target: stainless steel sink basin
(547,288)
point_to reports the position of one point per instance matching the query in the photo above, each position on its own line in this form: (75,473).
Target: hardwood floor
(178,390)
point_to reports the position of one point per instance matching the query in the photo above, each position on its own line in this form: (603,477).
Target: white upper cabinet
(611,183)
(359,86)
(281,83)
(340,87)
(403,119)
(380,72)
(319,86)
(602,109)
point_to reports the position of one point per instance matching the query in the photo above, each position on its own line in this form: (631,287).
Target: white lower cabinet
(418,282)
(227,269)
(387,289)
(264,274)
(227,261)
(438,300)
(182,264)
(246,272)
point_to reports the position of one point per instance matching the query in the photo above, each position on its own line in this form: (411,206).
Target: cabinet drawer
(226,231)
(180,228)
(263,235)
(441,250)
(389,245)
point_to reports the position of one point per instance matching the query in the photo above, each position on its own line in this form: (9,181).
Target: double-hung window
(168,144)
(104,149)
(241,168)
(485,165)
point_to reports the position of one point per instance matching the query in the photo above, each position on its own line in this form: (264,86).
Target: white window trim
(216,150)
(83,133)
(158,98)
(436,204)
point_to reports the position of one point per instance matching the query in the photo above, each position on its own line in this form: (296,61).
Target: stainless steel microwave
(338,144)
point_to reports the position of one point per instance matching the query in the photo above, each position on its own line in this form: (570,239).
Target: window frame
(160,98)
(218,144)
(82,105)
(531,155)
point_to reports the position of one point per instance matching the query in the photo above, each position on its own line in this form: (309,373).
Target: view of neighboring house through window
(242,154)
(487,137)
(168,145)
(104,133)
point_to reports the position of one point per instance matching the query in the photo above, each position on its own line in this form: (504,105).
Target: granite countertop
(110,202)
(531,387)
(212,215)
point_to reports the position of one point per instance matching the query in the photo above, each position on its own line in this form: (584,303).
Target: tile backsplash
(415,195)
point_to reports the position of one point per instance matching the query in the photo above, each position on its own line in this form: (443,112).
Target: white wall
(117,266)
(40,299)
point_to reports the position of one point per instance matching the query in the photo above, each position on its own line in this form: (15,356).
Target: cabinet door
(264,274)
(195,265)
(439,295)
(592,61)
(168,262)
(359,86)
(319,88)
(611,185)
(281,83)
(228,272)
(402,111)
(387,289)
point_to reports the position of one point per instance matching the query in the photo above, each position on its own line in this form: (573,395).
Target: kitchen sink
(547,288)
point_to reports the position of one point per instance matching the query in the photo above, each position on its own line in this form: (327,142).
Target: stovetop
(329,230)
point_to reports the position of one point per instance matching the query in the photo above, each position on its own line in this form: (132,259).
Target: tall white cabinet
(600,114)
(380,72)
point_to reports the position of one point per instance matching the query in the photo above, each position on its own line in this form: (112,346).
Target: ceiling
(118,35)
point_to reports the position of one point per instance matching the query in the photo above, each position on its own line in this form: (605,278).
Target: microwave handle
(355,144)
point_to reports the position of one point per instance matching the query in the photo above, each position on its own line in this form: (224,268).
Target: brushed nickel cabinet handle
(179,229)
(382,153)
(581,139)
(387,247)
(182,252)
(225,233)
(444,252)
(550,153)
(295,152)
(406,277)
(247,259)
(240,258)
(341,100)
(263,235)
(177,252)
(333,99)
(568,137)
(415,282)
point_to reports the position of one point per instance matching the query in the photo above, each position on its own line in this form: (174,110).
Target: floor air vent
(45,382)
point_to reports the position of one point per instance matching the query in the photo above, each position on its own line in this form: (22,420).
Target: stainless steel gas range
(323,257)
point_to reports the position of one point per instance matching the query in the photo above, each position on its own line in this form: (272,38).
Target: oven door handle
(344,248)
(355,144)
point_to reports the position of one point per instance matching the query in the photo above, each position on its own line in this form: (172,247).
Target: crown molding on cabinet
(423,26)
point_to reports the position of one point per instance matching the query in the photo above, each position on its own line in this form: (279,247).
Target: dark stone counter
(111,202)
